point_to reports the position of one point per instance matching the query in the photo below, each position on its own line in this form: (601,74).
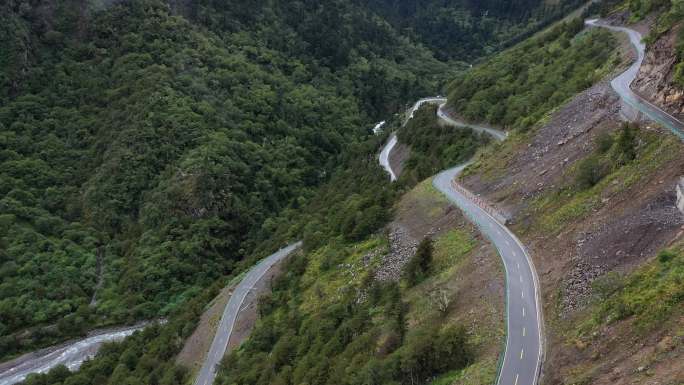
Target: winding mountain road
(621,84)
(524,339)
(389,146)
(522,359)
(523,355)
(207,373)
(416,106)
(494,132)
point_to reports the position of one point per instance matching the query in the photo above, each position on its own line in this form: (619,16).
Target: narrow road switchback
(622,83)
(446,118)
(523,355)
(392,141)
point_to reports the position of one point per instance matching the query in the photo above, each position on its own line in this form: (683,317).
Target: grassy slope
(461,263)
(457,251)
(634,327)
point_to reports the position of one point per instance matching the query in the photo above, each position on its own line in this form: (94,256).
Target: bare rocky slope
(655,80)
(579,237)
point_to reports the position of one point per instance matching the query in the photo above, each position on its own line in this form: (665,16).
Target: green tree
(625,145)
(419,265)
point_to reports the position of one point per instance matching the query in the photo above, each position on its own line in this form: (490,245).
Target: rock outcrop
(655,80)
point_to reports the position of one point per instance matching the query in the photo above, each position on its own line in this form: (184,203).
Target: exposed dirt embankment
(655,79)
(398,157)
(197,345)
(576,236)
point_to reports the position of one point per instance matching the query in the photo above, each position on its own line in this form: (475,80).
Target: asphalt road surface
(496,133)
(622,83)
(70,355)
(207,373)
(384,156)
(431,100)
(523,355)
(522,358)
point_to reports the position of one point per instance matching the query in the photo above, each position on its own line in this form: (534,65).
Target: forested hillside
(144,144)
(468,29)
(144,152)
(147,147)
(519,87)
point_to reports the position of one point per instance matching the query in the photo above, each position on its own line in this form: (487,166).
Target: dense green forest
(435,147)
(347,341)
(136,141)
(466,30)
(357,199)
(519,87)
(147,147)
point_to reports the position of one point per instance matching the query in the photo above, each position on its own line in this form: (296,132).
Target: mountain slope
(135,140)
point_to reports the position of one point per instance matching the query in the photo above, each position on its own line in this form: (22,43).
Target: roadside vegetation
(518,88)
(619,161)
(435,147)
(650,296)
(355,333)
(157,146)
(330,321)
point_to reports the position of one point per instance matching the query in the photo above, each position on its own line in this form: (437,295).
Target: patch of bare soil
(421,213)
(538,166)
(619,355)
(197,345)
(655,80)
(624,231)
(248,315)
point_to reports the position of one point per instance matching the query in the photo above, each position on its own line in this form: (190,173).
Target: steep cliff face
(655,80)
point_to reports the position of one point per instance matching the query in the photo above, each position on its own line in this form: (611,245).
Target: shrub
(419,266)
(590,171)
(666,256)
(625,145)
(604,142)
